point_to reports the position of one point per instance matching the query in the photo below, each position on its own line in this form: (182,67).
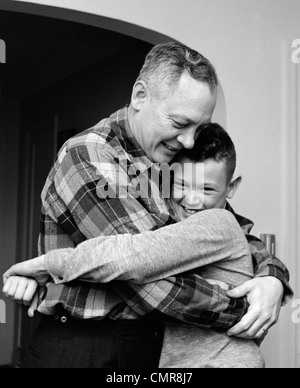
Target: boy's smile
(199,186)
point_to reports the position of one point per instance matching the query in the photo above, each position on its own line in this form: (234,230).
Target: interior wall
(244,40)
(9,150)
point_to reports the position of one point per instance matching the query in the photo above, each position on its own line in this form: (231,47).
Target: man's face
(198,186)
(167,125)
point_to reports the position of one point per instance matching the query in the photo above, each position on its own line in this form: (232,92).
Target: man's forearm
(188,298)
(150,256)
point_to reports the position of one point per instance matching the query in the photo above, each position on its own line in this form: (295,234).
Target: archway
(107,23)
(111,24)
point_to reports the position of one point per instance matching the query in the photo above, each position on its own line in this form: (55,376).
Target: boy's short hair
(215,143)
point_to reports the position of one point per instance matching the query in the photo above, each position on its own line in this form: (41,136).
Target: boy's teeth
(191,211)
(170,147)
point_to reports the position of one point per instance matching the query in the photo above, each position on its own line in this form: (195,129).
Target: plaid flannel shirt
(156,300)
(74,209)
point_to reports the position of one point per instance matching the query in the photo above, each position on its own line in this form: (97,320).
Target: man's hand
(34,268)
(265,298)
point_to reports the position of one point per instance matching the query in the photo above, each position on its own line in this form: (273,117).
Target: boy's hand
(20,290)
(23,291)
(265,298)
(34,268)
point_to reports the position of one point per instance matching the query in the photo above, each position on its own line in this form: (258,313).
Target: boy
(203,179)
(206,182)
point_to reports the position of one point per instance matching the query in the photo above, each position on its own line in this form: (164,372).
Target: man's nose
(187,139)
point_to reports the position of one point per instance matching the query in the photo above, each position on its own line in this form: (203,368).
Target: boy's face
(200,186)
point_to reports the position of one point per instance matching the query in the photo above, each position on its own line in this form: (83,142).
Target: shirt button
(63,319)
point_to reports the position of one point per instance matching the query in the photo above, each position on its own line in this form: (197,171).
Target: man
(174,95)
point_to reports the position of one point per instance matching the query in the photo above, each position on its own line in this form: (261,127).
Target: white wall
(248,41)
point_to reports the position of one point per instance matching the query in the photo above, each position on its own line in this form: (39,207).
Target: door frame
(26,194)
(90,19)
(290,341)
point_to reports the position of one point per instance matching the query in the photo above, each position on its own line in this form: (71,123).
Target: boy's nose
(192,199)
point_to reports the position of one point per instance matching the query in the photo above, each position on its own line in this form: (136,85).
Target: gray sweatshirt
(210,242)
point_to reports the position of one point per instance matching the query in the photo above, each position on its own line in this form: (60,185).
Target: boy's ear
(233,186)
(140,92)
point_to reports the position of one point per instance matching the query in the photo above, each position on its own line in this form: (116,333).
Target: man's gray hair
(165,64)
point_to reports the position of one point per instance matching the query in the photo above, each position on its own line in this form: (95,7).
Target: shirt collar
(246,224)
(122,130)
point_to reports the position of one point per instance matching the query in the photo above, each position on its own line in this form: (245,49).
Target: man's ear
(233,186)
(140,92)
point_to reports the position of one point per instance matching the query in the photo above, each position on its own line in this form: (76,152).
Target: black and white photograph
(149,187)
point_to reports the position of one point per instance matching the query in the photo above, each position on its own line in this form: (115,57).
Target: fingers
(34,269)
(8,274)
(262,337)
(42,291)
(18,269)
(29,292)
(240,291)
(247,335)
(10,287)
(258,337)
(5,278)
(20,290)
(34,305)
(254,324)
(264,296)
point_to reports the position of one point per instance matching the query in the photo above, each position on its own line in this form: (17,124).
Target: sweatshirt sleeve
(153,255)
